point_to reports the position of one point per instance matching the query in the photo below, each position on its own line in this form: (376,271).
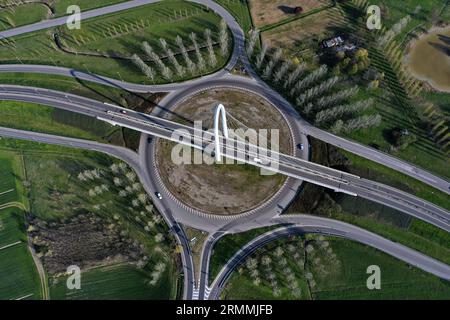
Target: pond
(429,59)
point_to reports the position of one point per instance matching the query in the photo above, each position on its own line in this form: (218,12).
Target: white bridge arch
(219,112)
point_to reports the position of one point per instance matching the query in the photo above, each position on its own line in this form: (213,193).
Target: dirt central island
(223,189)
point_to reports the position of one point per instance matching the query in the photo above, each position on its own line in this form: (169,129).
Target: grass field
(241,12)
(95,48)
(118,282)
(60,6)
(31,117)
(398,280)
(18,275)
(13,17)
(10,178)
(346,277)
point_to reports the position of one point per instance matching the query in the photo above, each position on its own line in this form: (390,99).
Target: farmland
(345,278)
(17,270)
(10,175)
(122,281)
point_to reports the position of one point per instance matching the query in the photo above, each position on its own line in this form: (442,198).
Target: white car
(257,160)
(158,195)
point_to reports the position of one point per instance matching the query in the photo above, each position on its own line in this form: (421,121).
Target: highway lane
(134,161)
(238,53)
(288,165)
(42,25)
(300,224)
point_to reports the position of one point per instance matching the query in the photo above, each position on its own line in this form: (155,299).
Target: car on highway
(123,111)
(158,195)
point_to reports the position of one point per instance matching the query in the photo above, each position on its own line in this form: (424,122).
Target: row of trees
(316,92)
(133,201)
(189,65)
(268,266)
(275,266)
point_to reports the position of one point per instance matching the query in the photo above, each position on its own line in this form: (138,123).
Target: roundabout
(224,188)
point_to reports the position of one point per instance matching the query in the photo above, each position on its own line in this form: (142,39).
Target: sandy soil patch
(266,12)
(289,35)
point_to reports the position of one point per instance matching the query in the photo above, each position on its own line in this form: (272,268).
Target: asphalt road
(291,166)
(238,53)
(310,224)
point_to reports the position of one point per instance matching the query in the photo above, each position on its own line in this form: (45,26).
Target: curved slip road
(311,224)
(133,160)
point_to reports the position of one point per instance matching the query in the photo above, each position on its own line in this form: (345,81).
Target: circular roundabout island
(221,188)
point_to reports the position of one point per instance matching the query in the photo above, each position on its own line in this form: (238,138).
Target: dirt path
(41,271)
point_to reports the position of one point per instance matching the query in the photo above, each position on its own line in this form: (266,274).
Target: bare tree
(254,34)
(293,76)
(145,69)
(224,39)
(179,69)
(189,64)
(261,56)
(165,71)
(200,61)
(209,44)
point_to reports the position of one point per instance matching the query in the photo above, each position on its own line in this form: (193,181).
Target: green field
(60,6)
(240,11)
(39,118)
(346,278)
(18,275)
(119,282)
(13,17)
(104,45)
(10,178)
(398,280)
